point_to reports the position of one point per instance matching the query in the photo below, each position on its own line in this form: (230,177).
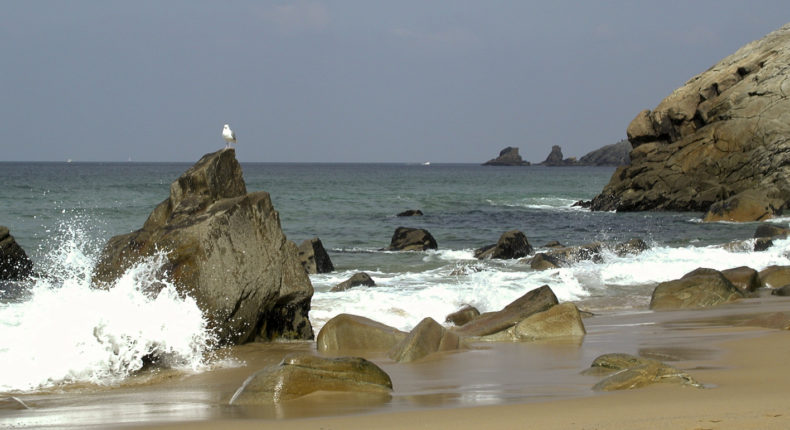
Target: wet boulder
(512,244)
(301,374)
(347,332)
(559,321)
(462,316)
(543,261)
(426,338)
(744,278)
(314,258)
(356,280)
(700,288)
(635,372)
(746,206)
(634,246)
(14,263)
(775,276)
(537,300)
(411,212)
(225,248)
(771,230)
(566,256)
(411,239)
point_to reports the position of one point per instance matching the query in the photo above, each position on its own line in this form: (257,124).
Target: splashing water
(67,332)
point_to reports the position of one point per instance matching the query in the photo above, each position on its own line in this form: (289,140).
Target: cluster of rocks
(507,157)
(715,145)
(616,154)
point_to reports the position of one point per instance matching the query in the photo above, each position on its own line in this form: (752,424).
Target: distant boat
(427,163)
(69,160)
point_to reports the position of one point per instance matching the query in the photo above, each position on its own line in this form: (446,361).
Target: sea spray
(67,332)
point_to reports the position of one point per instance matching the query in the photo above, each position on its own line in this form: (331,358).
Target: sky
(349,81)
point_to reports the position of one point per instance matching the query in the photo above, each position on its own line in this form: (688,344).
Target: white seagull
(228,135)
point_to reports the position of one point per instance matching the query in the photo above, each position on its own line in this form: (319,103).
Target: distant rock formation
(724,133)
(224,248)
(555,158)
(507,157)
(616,154)
(14,263)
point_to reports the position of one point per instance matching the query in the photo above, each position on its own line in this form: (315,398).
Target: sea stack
(223,247)
(507,157)
(722,139)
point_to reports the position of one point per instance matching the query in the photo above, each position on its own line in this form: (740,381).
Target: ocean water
(56,331)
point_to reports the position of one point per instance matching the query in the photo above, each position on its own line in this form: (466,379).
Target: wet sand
(500,385)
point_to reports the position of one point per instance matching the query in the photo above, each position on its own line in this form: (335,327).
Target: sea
(57,331)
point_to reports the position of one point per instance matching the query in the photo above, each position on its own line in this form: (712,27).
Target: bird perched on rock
(228,135)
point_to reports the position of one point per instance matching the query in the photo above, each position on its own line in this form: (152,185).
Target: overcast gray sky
(359,81)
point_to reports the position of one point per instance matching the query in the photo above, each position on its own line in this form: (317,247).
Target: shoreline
(538,384)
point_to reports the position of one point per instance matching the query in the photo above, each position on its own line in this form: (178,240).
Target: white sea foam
(67,332)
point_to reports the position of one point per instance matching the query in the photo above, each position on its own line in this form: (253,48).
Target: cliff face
(723,133)
(507,157)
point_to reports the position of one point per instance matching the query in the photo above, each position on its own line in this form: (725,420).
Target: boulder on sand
(411,239)
(537,300)
(559,321)
(635,372)
(744,278)
(14,263)
(301,374)
(224,248)
(775,276)
(314,258)
(700,288)
(512,244)
(347,332)
(424,339)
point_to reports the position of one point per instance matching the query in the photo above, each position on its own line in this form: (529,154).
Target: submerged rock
(347,332)
(411,239)
(426,338)
(769,230)
(356,280)
(14,263)
(512,244)
(700,288)
(299,375)
(636,372)
(507,157)
(314,258)
(223,247)
(411,212)
(722,134)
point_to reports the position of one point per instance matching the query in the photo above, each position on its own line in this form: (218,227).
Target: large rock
(299,375)
(462,316)
(14,263)
(749,205)
(424,339)
(512,244)
(314,258)
(562,320)
(744,278)
(700,288)
(723,133)
(411,239)
(775,276)
(537,300)
(347,332)
(555,158)
(224,248)
(507,157)
(615,154)
(356,280)
(636,372)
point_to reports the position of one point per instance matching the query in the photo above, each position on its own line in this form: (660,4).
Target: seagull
(228,135)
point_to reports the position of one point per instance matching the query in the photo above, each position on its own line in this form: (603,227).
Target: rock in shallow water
(314,258)
(635,372)
(298,375)
(700,288)
(424,339)
(224,248)
(347,332)
(411,239)
(14,263)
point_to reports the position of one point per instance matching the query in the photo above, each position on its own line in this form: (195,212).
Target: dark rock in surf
(762,244)
(633,247)
(411,212)
(411,239)
(462,316)
(537,300)
(544,261)
(356,280)
(223,247)
(700,288)
(426,338)
(301,374)
(14,263)
(781,291)
(314,258)
(512,244)
(355,333)
(772,231)
(507,157)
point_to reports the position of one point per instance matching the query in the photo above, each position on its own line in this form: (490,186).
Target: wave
(67,332)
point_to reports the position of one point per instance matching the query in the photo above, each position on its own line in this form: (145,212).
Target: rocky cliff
(725,132)
(507,157)
(223,247)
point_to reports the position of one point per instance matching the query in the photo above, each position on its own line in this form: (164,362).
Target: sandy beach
(498,385)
